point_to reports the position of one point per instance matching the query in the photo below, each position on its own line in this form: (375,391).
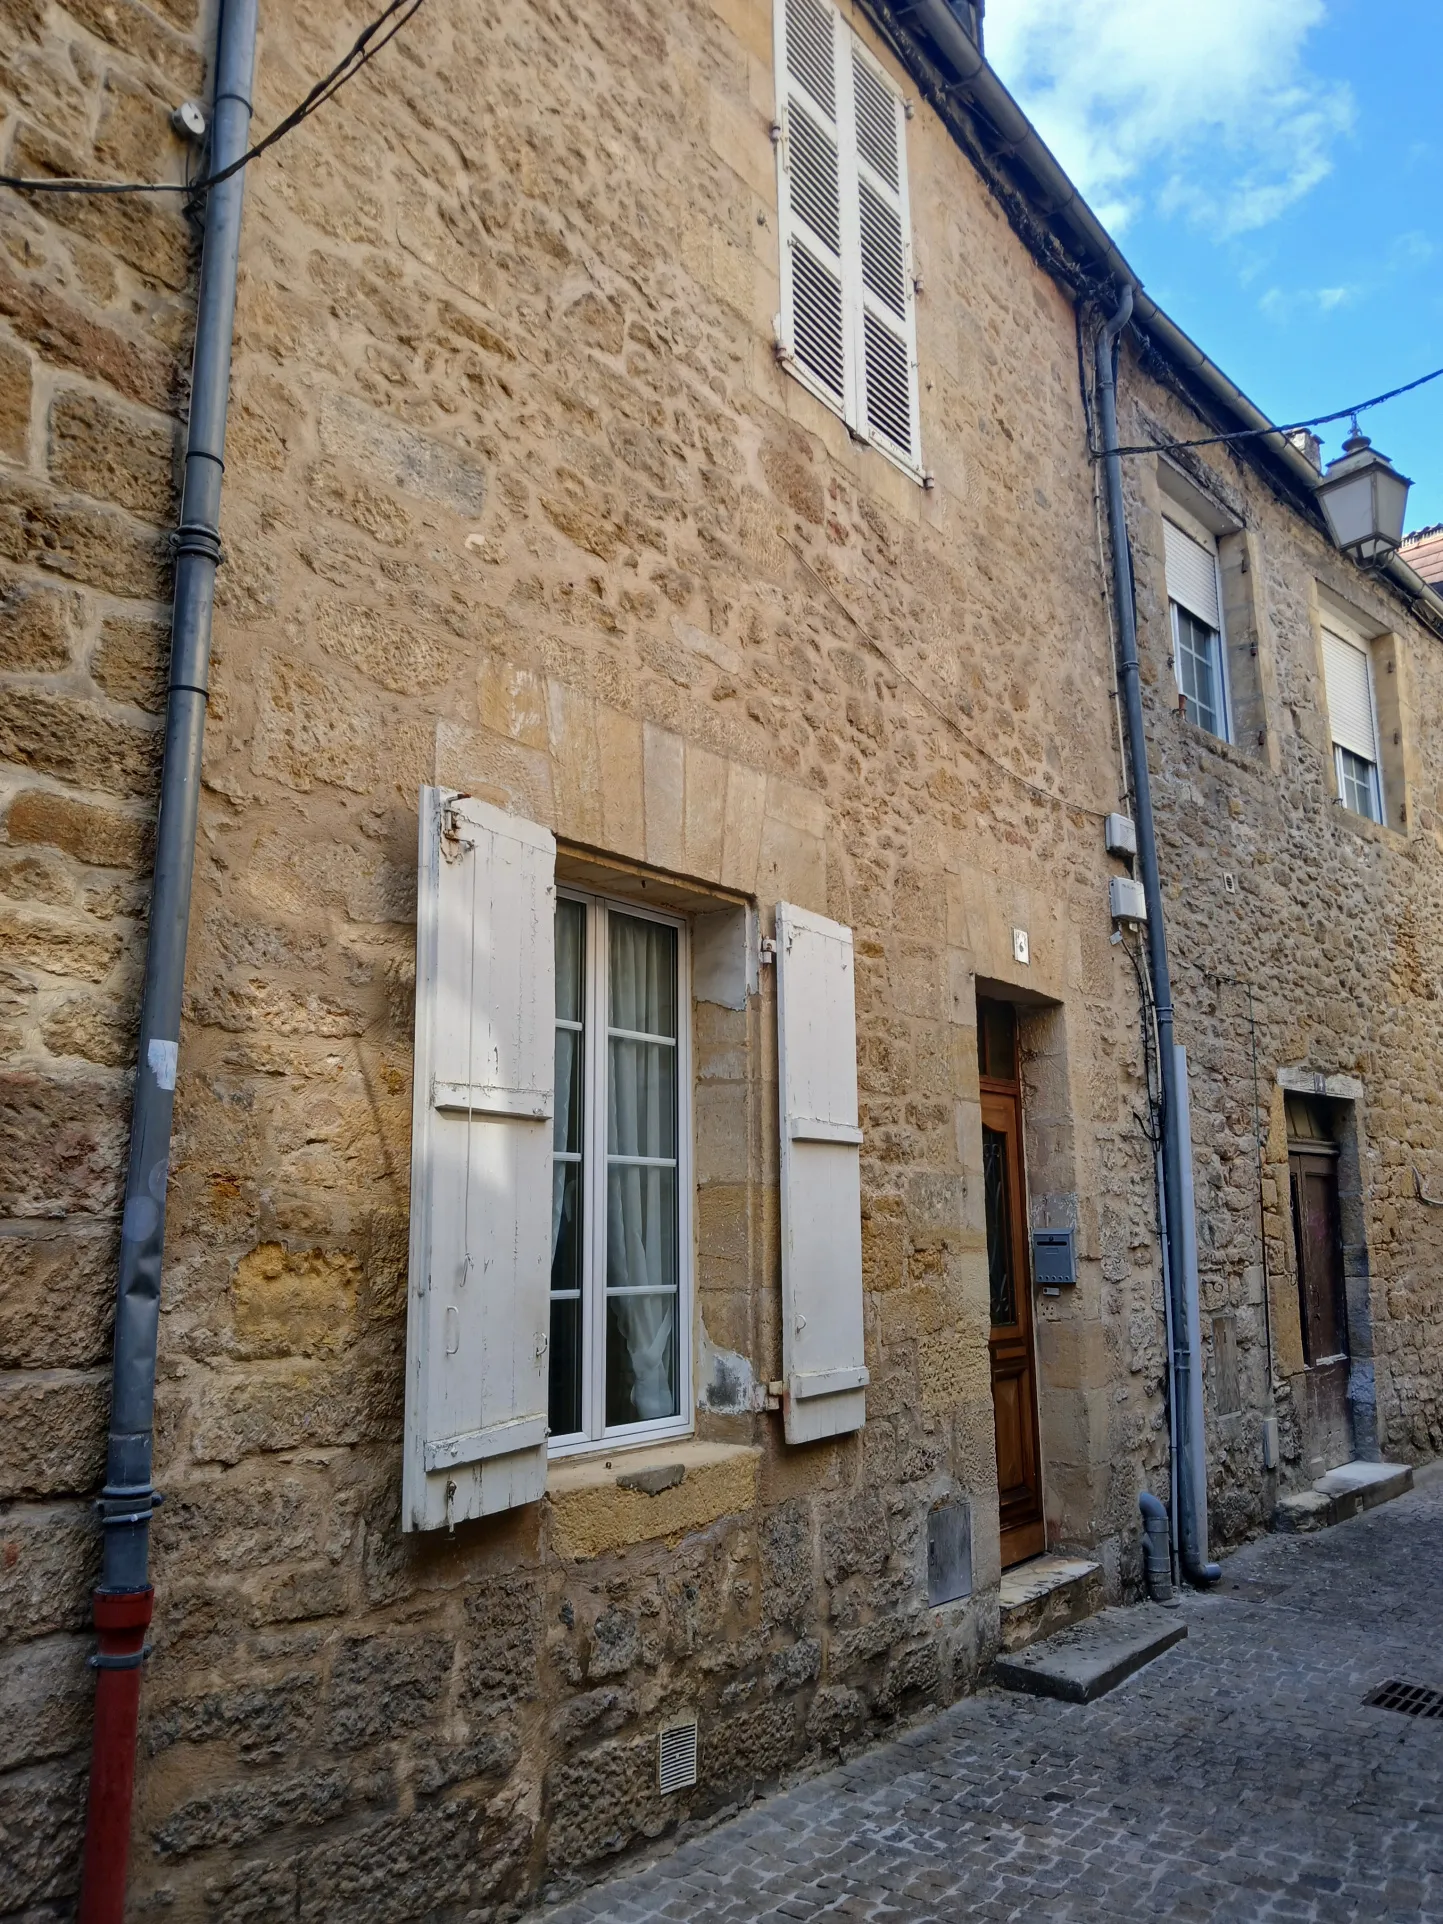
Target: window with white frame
(620,1234)
(1195,606)
(1352,718)
(847,327)
(549,1294)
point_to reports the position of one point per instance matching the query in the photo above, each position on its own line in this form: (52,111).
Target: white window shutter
(887,293)
(823,1355)
(1192,576)
(1350,696)
(480,1254)
(815,324)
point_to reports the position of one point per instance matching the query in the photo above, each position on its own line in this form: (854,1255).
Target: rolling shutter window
(1350,696)
(848,323)
(822,1342)
(480,1253)
(1192,576)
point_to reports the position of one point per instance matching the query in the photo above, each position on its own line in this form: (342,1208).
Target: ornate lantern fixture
(1364,499)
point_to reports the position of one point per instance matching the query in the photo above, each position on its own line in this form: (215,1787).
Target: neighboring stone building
(527,498)
(1423,552)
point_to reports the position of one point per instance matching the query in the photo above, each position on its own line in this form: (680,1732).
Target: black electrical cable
(345,69)
(1292,427)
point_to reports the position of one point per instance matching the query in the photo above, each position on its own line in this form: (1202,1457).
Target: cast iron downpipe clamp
(124,1597)
(1192,1545)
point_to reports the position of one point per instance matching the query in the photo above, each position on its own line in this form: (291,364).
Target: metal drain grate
(1412,1699)
(676,1757)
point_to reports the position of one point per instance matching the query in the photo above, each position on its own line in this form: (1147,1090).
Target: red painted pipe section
(121,1617)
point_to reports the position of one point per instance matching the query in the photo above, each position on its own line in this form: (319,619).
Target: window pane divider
(642,1035)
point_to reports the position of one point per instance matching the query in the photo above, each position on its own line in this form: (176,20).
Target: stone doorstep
(1089,1659)
(1342,1493)
(1047,1594)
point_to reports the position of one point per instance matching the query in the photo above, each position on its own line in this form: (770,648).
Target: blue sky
(1273,169)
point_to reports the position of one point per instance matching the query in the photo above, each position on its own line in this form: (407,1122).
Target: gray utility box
(1054,1258)
(949,1553)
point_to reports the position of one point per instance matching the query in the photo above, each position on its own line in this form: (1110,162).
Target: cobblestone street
(1238,1777)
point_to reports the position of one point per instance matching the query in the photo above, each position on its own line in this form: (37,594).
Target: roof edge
(927,34)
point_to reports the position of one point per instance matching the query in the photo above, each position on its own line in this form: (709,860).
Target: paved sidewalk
(1239,1777)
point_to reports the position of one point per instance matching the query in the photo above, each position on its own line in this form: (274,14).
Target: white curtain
(641,1239)
(566,1132)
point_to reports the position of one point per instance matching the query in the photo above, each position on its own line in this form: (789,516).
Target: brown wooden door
(1014,1371)
(1322,1305)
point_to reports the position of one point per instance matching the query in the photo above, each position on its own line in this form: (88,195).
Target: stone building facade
(522,503)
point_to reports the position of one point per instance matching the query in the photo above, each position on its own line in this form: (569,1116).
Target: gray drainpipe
(122,1601)
(1186,1382)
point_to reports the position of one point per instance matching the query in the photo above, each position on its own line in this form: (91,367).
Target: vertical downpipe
(1190,1466)
(124,1597)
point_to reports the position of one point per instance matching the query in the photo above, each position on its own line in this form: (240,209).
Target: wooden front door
(1014,1372)
(1322,1305)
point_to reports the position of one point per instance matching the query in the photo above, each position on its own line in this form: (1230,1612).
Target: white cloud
(1282,304)
(1205,106)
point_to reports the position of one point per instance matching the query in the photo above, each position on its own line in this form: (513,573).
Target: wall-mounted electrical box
(1126,899)
(1121,834)
(1054,1258)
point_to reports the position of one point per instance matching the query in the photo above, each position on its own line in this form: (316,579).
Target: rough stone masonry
(519,500)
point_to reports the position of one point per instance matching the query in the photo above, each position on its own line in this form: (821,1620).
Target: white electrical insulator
(188,121)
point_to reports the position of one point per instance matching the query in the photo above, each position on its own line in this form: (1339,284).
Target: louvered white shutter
(887,291)
(1350,696)
(480,1256)
(1192,576)
(815,323)
(848,320)
(822,1345)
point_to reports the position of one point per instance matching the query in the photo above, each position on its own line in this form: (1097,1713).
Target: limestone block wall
(1299,928)
(95,318)
(518,499)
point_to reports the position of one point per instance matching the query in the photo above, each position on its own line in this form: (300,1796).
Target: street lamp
(1364,499)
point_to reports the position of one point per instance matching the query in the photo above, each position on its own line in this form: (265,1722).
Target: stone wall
(95,322)
(1297,932)
(518,499)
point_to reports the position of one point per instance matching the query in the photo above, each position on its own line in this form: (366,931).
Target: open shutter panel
(822,1346)
(814,318)
(888,319)
(480,1258)
(1350,696)
(1192,576)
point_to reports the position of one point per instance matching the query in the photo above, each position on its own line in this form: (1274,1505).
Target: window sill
(1251,757)
(591,1513)
(1371,831)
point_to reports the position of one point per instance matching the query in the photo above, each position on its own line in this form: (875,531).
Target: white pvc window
(1353,721)
(847,328)
(1195,604)
(620,1332)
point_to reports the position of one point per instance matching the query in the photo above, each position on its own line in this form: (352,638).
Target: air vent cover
(676,1757)
(1412,1699)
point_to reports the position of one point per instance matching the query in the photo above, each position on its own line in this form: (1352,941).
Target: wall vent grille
(1412,1699)
(676,1757)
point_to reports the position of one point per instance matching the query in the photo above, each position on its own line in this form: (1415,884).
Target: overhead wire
(1291,427)
(362,51)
